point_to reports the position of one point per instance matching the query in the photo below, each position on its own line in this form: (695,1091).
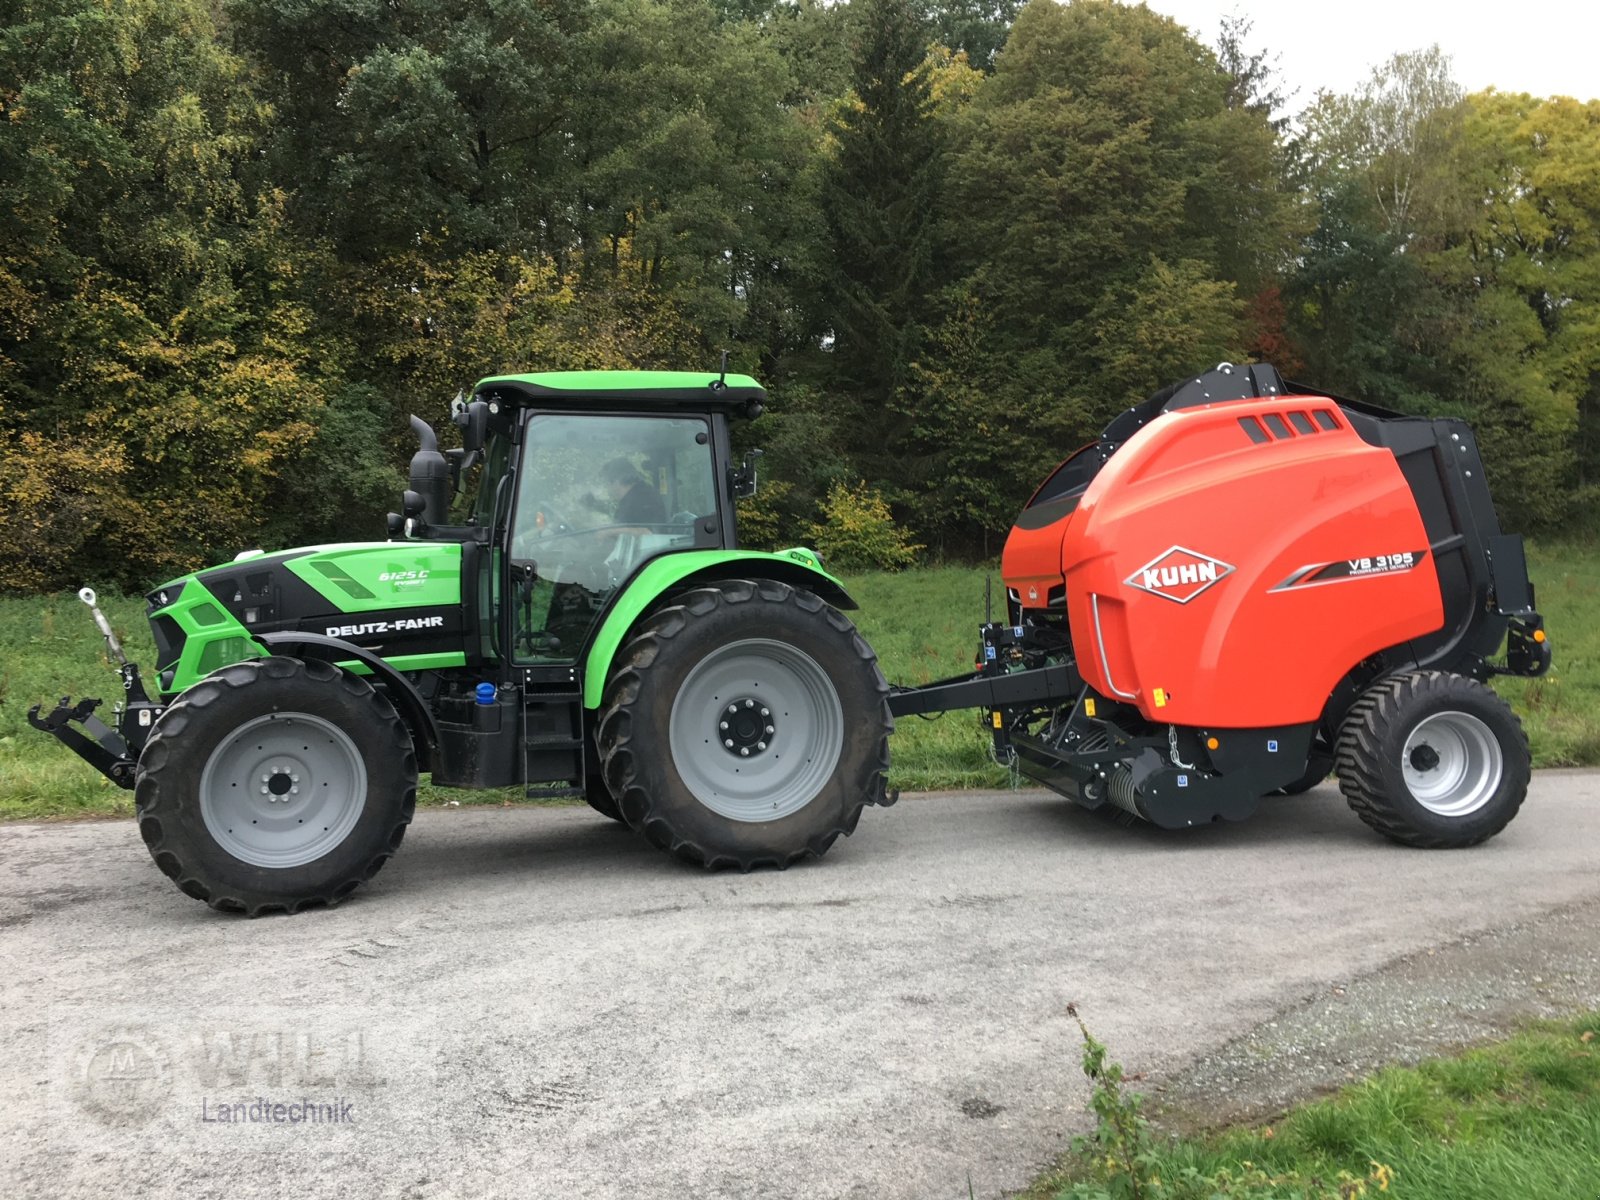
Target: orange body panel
(1215,580)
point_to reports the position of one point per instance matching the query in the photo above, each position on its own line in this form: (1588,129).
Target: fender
(797,567)
(408,702)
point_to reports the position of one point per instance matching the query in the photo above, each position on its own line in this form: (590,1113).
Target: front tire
(274,785)
(1434,760)
(746,724)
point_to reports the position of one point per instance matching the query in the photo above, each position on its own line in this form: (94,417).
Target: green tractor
(581,622)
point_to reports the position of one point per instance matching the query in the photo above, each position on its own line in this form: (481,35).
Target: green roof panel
(628,389)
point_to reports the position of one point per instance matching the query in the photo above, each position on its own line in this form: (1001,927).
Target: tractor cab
(587,477)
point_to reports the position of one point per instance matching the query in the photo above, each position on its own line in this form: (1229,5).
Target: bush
(762,516)
(857,532)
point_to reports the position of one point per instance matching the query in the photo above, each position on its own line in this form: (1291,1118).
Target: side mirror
(405,523)
(473,420)
(743,479)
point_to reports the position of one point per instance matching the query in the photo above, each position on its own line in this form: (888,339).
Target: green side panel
(669,569)
(620,381)
(357,577)
(411,662)
(378,576)
(212,637)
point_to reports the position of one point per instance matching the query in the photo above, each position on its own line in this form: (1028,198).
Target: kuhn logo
(1178,574)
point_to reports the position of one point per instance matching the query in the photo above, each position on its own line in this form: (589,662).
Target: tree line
(241,239)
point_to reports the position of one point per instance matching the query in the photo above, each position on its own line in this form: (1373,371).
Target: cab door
(597,496)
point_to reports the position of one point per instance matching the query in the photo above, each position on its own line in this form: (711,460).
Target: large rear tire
(595,790)
(745,725)
(274,785)
(1434,760)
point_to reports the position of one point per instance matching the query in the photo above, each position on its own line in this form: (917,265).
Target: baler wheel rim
(1452,763)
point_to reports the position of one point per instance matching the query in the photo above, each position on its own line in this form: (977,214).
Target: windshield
(596,497)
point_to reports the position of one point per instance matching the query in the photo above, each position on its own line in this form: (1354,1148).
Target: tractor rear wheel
(1433,759)
(274,785)
(595,789)
(745,725)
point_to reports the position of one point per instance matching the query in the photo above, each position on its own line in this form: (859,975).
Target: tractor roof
(695,390)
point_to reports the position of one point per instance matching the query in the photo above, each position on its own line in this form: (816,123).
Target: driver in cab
(634,501)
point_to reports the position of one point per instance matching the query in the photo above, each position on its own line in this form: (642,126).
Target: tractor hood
(401,600)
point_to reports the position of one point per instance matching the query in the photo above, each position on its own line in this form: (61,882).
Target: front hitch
(112,752)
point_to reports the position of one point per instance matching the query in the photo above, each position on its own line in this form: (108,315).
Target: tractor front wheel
(746,724)
(274,785)
(1433,759)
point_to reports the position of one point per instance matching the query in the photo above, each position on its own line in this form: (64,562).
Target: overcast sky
(1545,47)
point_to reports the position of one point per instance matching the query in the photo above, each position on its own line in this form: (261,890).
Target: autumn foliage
(241,241)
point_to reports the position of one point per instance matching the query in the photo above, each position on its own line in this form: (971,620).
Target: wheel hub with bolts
(281,782)
(746,727)
(771,765)
(282,790)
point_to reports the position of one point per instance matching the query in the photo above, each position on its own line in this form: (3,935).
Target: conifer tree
(880,199)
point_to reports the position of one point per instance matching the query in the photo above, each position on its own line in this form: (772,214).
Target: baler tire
(1390,751)
(364,755)
(770,643)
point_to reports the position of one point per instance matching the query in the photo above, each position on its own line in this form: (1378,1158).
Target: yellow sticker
(1161,697)
(1088,706)
(997,722)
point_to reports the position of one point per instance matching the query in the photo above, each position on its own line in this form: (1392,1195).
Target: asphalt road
(534,1002)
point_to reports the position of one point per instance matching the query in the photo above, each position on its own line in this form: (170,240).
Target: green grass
(1517,1119)
(922,623)
(50,648)
(924,626)
(1562,710)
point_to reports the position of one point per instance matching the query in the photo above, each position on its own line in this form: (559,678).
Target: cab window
(597,496)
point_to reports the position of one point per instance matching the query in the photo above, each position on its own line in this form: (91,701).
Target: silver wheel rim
(283,790)
(774,703)
(1452,764)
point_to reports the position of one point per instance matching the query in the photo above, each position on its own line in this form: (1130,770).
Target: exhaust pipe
(430,474)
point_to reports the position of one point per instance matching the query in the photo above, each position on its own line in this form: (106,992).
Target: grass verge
(922,623)
(1520,1118)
